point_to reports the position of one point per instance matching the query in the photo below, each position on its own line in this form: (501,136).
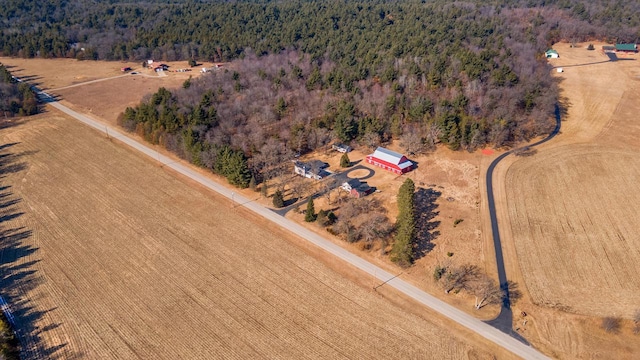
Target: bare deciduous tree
(486,292)
(459,278)
(371,140)
(411,142)
(328,184)
(376,226)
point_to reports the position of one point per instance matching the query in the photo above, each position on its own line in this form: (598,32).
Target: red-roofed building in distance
(390,160)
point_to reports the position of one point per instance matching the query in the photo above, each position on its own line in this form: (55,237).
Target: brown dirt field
(568,219)
(79,85)
(105,255)
(453,174)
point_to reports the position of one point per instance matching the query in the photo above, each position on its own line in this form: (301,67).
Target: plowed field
(574,205)
(106,255)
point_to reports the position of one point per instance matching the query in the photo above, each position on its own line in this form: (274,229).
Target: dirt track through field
(105,255)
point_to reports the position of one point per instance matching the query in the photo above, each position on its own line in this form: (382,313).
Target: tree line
(361,33)
(16,98)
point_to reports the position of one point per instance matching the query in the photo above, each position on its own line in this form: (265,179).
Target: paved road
(504,320)
(483,329)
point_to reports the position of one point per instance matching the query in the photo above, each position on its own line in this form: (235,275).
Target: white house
(313,169)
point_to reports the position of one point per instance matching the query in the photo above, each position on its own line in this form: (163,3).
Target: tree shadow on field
(18,265)
(425,204)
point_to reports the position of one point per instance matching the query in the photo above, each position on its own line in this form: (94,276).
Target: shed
(551,54)
(390,160)
(341,148)
(627,48)
(361,191)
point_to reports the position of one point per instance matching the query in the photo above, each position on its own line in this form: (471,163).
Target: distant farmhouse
(390,160)
(313,169)
(356,188)
(551,54)
(160,67)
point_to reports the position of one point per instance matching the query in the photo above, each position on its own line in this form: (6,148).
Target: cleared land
(97,87)
(569,212)
(452,175)
(107,255)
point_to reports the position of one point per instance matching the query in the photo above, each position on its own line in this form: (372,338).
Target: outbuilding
(356,188)
(629,48)
(341,148)
(390,160)
(551,54)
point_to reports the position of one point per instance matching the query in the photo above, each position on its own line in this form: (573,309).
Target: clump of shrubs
(326,217)
(611,324)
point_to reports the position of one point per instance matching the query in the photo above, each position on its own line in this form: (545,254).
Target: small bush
(591,47)
(438,272)
(449,254)
(457,221)
(326,218)
(611,325)
(332,231)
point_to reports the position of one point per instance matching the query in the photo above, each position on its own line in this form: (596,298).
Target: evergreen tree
(344,161)
(310,214)
(278,199)
(402,251)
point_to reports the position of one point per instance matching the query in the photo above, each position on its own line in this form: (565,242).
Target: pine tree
(310,214)
(345,161)
(278,199)
(402,251)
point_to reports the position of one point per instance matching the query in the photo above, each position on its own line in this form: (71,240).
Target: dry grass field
(453,175)
(106,255)
(96,87)
(569,213)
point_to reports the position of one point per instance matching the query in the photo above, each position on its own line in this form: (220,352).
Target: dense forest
(15,98)
(304,73)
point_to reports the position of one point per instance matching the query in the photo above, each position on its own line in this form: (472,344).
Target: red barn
(390,160)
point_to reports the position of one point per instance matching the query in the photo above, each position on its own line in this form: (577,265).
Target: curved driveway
(504,320)
(466,320)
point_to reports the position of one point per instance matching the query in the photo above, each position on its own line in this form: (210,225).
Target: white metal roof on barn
(391,157)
